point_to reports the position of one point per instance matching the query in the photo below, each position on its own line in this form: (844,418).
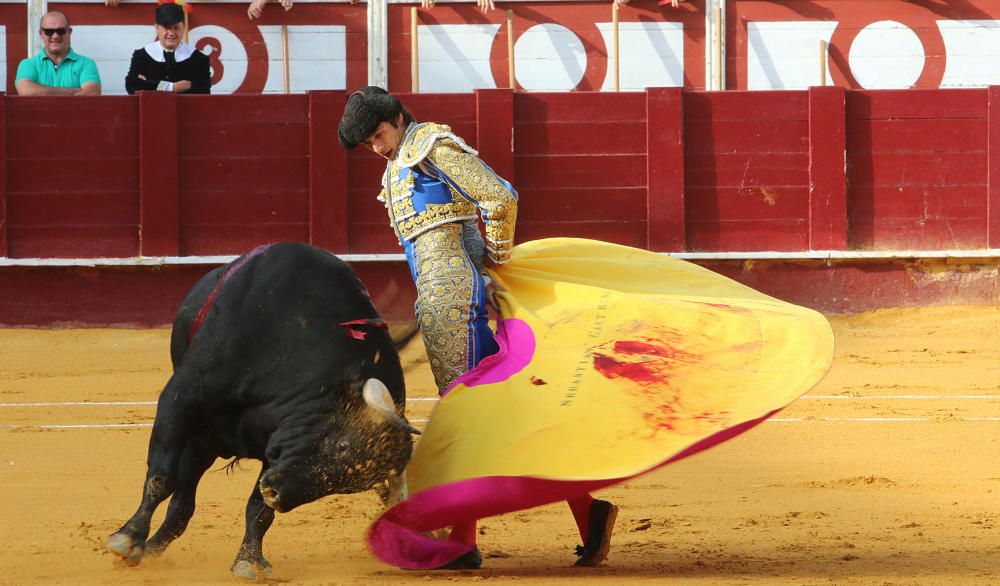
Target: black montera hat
(366,108)
(169,14)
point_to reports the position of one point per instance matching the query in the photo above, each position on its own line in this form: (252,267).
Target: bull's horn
(378,398)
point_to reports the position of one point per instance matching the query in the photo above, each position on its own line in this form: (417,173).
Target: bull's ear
(377,396)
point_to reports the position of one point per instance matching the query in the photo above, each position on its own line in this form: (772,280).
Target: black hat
(169,14)
(365,110)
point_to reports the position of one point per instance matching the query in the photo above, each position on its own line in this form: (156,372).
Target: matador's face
(386,139)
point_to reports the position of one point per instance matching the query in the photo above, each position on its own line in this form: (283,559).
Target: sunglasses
(60,31)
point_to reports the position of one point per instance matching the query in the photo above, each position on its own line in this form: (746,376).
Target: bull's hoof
(126,548)
(247,570)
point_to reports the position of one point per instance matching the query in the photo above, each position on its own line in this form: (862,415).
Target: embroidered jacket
(436,178)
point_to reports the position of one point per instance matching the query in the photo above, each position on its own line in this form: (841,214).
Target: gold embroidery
(421,138)
(497,204)
(445,288)
(482,188)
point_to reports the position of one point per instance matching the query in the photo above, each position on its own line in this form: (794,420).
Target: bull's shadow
(279,356)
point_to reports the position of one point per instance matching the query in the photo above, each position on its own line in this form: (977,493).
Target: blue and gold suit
(434,189)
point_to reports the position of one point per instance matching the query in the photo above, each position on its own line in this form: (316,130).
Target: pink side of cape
(397,537)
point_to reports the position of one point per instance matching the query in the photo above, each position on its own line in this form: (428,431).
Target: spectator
(168,64)
(256,7)
(484,5)
(58,70)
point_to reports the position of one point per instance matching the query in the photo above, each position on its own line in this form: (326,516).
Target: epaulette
(420,140)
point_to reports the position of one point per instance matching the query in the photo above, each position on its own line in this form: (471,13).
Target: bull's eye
(342,446)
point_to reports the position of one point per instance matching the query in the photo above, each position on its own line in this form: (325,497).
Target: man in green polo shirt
(59,70)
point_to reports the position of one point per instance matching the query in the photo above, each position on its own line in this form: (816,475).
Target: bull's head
(366,442)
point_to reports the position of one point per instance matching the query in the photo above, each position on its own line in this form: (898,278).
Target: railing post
(827,168)
(495,130)
(159,229)
(665,224)
(327,172)
(993,167)
(4,251)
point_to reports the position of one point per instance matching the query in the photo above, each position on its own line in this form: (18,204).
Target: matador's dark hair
(366,109)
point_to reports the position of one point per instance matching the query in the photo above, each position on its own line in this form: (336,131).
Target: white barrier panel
(224,47)
(456,57)
(973,49)
(785,55)
(317,58)
(3,56)
(887,55)
(549,58)
(651,54)
(111,46)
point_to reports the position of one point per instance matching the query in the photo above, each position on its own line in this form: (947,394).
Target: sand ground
(887,473)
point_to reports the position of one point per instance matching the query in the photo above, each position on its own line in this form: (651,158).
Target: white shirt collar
(182,53)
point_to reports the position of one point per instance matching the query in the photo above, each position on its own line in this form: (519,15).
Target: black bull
(278,357)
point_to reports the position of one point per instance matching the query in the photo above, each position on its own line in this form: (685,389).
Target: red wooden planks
(237,176)
(919,234)
(242,110)
(963,135)
(158,158)
(626,233)
(245,140)
(55,209)
(750,203)
(581,171)
(455,110)
(217,207)
(827,175)
(916,103)
(327,173)
(373,238)
(747,136)
(898,170)
(993,169)
(494,136)
(743,106)
(72,241)
(747,235)
(71,111)
(581,204)
(3,176)
(665,196)
(237,239)
(747,170)
(581,138)
(578,107)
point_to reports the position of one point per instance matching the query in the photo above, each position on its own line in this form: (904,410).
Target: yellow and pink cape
(613,361)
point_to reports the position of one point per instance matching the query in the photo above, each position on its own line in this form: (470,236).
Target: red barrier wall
(826,169)
(160,175)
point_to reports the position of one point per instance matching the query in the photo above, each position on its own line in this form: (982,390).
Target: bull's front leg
(250,563)
(171,430)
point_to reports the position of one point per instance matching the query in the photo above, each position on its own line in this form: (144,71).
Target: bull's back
(282,306)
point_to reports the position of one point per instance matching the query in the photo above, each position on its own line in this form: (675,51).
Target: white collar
(182,53)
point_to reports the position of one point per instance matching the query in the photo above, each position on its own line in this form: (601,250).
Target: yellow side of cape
(637,357)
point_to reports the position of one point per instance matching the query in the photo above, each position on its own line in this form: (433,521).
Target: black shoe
(600,525)
(470,560)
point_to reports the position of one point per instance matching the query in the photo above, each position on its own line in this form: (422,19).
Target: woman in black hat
(168,64)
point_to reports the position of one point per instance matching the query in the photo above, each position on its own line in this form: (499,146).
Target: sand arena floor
(886,473)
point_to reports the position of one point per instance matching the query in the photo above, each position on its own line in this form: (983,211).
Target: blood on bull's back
(279,356)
